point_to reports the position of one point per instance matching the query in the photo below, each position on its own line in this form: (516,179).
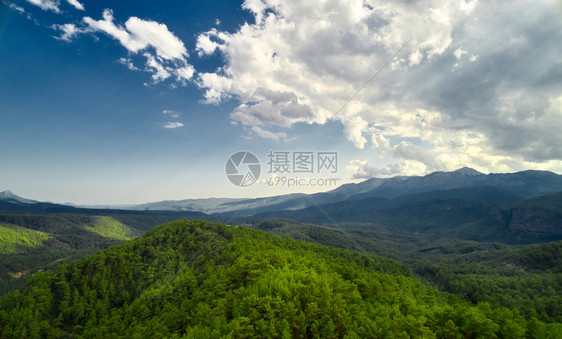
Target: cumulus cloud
(173,125)
(301,62)
(46,5)
(363,169)
(353,130)
(205,45)
(166,55)
(498,110)
(144,33)
(459,52)
(159,72)
(68,31)
(380,143)
(76,4)
(268,134)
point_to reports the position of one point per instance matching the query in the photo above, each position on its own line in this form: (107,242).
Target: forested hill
(209,280)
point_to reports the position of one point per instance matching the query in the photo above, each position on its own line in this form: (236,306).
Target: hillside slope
(207,280)
(32,242)
(528,279)
(17,239)
(478,213)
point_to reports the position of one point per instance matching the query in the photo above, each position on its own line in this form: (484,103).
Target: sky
(122,102)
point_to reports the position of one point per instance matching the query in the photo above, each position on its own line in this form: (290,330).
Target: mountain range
(514,184)
(522,207)
(524,183)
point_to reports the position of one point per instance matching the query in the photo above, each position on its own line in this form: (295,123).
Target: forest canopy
(199,279)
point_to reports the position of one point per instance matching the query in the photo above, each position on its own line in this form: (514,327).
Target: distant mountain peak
(467,171)
(8,194)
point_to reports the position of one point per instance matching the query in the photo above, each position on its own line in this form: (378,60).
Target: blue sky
(107,102)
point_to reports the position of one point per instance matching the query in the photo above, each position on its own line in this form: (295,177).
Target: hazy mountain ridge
(524,183)
(9,195)
(510,207)
(519,184)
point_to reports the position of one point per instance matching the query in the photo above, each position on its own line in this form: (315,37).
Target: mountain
(9,195)
(523,183)
(502,275)
(225,206)
(517,184)
(21,205)
(477,213)
(201,280)
(200,205)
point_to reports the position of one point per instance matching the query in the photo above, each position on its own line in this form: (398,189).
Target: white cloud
(268,134)
(159,72)
(16,7)
(166,55)
(459,52)
(129,63)
(138,35)
(204,44)
(353,130)
(302,61)
(46,5)
(363,169)
(380,143)
(184,74)
(173,125)
(408,151)
(150,33)
(171,113)
(319,58)
(76,4)
(69,31)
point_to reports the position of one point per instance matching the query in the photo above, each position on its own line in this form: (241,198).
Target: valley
(482,250)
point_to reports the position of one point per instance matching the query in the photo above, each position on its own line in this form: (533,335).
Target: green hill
(17,239)
(203,280)
(32,242)
(528,279)
(476,213)
(108,227)
(542,257)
